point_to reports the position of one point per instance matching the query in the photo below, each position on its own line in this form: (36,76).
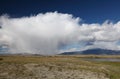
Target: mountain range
(96,51)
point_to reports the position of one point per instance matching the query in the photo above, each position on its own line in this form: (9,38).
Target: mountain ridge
(96,51)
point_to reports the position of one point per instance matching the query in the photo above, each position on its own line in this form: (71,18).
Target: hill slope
(96,51)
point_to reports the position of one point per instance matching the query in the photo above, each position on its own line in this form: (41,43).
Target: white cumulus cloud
(51,32)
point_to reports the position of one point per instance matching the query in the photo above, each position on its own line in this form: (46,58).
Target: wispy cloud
(48,33)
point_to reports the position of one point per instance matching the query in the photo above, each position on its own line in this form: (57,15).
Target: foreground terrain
(58,67)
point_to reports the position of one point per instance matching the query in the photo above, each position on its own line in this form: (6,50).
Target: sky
(56,26)
(91,11)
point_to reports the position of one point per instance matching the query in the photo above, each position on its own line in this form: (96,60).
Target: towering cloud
(54,32)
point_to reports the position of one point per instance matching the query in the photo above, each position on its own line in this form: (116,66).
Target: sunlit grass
(110,69)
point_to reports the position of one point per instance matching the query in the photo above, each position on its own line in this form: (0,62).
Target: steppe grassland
(66,67)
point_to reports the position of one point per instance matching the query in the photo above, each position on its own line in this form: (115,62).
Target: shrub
(1,58)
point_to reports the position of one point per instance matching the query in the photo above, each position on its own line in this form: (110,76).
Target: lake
(103,59)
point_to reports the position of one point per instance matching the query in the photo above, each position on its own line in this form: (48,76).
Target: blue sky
(91,11)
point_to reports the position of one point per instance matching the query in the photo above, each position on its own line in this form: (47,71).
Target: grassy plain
(58,67)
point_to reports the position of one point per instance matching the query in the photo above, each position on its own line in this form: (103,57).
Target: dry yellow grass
(19,67)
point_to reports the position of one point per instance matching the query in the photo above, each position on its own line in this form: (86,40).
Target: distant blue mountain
(99,51)
(4,49)
(96,51)
(71,53)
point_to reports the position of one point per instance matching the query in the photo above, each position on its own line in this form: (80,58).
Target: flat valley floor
(58,67)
